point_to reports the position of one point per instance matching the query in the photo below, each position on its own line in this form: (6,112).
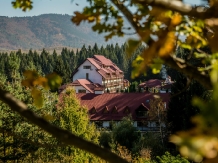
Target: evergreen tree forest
(12,65)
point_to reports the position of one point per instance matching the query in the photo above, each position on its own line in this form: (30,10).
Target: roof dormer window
(93,110)
(105,110)
(114,111)
(86,67)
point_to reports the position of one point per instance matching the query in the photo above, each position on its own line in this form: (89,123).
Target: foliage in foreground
(21,141)
(167,21)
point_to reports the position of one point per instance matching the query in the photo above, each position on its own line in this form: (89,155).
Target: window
(165,105)
(157,124)
(105,111)
(86,67)
(114,111)
(99,124)
(126,110)
(141,113)
(87,76)
(142,124)
(81,91)
(93,110)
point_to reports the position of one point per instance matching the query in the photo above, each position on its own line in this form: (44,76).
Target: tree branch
(176,63)
(179,6)
(127,14)
(190,71)
(63,135)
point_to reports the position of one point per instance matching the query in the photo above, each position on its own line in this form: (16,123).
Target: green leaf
(132,45)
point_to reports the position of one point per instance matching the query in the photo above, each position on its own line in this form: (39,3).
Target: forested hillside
(49,30)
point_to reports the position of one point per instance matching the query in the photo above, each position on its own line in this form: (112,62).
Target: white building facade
(102,71)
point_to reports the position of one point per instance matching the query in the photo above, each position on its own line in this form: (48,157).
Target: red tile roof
(84,83)
(156,83)
(98,88)
(120,101)
(96,63)
(153,83)
(103,60)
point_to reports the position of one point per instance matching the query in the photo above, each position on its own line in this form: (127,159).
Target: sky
(52,6)
(43,7)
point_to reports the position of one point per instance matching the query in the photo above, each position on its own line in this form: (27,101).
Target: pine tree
(95,49)
(180,108)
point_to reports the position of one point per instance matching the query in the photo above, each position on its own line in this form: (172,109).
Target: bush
(168,158)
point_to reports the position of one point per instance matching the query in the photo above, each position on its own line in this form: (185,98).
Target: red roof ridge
(103,60)
(142,104)
(94,62)
(83,83)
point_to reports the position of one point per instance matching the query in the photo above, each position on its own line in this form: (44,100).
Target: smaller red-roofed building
(100,70)
(84,86)
(156,85)
(106,108)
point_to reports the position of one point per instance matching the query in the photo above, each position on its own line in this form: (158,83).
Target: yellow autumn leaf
(213,42)
(41,81)
(37,97)
(91,18)
(168,45)
(78,18)
(176,19)
(54,81)
(31,76)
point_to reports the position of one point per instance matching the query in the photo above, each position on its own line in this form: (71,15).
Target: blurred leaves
(54,81)
(156,65)
(36,82)
(98,13)
(23,4)
(132,45)
(202,141)
(37,97)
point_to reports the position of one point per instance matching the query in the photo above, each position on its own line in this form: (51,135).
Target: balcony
(112,84)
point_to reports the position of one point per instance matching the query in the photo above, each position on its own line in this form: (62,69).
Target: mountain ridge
(48,30)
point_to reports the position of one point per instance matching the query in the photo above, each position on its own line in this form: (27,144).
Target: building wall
(77,88)
(106,124)
(99,92)
(94,76)
(135,124)
(150,127)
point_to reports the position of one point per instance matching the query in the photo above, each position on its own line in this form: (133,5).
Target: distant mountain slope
(49,30)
